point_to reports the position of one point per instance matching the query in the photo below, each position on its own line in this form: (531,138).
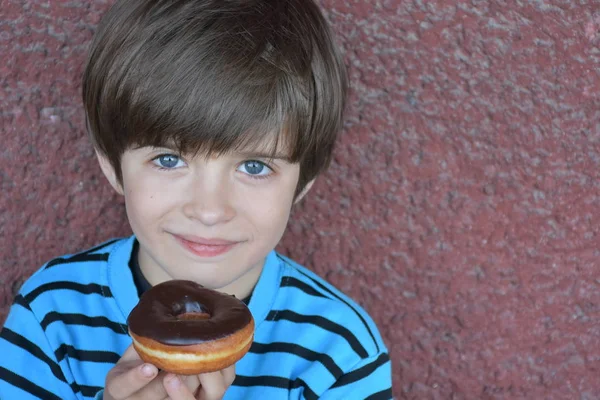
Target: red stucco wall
(461,210)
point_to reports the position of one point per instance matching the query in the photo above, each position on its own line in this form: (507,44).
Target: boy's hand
(132,379)
(209,386)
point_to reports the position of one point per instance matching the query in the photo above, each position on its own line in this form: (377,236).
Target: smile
(205,247)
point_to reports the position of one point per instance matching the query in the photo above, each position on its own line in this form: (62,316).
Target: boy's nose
(209,205)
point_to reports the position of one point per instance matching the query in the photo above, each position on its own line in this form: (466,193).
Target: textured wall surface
(461,210)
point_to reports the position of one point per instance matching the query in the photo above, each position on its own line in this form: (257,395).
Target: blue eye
(255,168)
(168,161)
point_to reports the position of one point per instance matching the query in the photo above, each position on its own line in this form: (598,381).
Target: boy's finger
(176,388)
(191,381)
(126,381)
(213,386)
(228,375)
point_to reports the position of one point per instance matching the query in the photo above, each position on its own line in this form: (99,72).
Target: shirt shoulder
(64,331)
(73,301)
(69,269)
(307,297)
(70,288)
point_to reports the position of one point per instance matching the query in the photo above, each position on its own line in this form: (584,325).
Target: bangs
(203,122)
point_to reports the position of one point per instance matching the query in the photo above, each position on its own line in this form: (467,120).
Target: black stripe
(362,372)
(275,381)
(20,300)
(81,319)
(383,395)
(23,343)
(84,255)
(306,288)
(26,385)
(91,288)
(99,247)
(86,355)
(303,352)
(325,288)
(276,315)
(89,391)
(78,258)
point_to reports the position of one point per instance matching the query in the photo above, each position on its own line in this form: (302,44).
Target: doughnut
(181,327)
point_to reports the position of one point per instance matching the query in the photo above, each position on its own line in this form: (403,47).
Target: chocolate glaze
(157,315)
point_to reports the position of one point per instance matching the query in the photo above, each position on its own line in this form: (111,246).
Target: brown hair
(215,75)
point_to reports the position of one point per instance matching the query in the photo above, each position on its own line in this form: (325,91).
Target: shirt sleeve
(370,379)
(28,366)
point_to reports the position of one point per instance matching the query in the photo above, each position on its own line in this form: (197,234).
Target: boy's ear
(109,172)
(304,191)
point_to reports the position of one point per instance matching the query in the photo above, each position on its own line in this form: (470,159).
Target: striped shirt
(67,328)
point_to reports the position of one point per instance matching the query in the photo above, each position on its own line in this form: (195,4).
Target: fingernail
(148,370)
(173,381)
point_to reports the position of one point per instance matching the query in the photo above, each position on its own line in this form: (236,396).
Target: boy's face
(210,220)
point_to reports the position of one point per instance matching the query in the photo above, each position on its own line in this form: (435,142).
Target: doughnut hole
(194,316)
(190,310)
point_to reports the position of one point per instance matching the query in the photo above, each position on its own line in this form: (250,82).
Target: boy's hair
(211,76)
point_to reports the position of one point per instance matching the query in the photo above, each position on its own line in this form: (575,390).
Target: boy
(212,118)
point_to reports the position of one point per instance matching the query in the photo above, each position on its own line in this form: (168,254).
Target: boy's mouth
(205,247)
